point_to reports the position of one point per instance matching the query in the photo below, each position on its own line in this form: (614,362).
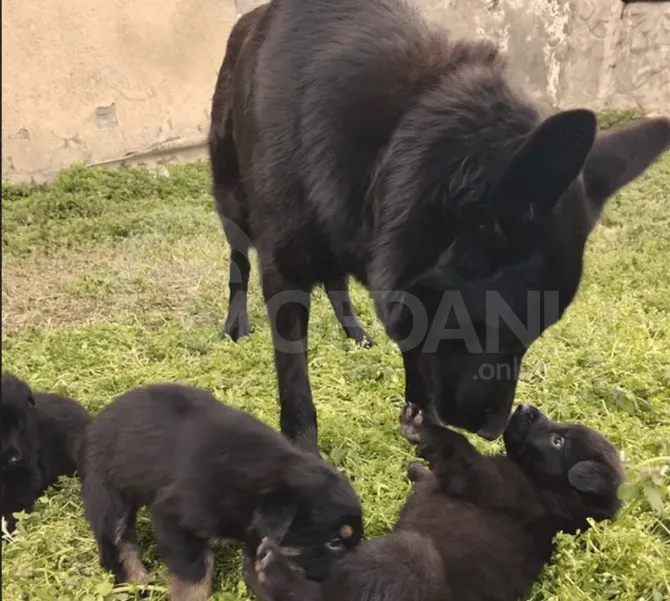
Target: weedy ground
(113,279)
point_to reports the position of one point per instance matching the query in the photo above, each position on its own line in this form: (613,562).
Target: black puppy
(373,144)
(41,434)
(207,471)
(475,528)
(231,202)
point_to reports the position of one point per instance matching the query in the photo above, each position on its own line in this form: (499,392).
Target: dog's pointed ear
(541,171)
(273,517)
(592,477)
(622,154)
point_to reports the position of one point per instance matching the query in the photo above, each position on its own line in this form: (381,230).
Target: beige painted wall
(99,82)
(91,81)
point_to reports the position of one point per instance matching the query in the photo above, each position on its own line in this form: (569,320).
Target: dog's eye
(557,441)
(335,544)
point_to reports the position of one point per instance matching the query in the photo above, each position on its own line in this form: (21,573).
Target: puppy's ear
(592,477)
(31,398)
(273,517)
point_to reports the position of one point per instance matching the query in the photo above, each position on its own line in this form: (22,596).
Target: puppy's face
(316,520)
(17,427)
(579,465)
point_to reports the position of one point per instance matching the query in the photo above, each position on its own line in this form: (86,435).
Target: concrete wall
(92,81)
(119,81)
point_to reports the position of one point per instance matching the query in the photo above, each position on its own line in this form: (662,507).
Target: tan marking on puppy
(183,590)
(346,532)
(132,564)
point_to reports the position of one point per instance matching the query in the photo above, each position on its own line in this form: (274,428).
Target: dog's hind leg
(230,206)
(237,322)
(187,557)
(129,551)
(113,523)
(337,290)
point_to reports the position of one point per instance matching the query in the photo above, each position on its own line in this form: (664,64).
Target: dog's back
(153,436)
(365,575)
(325,104)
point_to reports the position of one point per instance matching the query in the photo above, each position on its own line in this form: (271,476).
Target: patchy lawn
(113,279)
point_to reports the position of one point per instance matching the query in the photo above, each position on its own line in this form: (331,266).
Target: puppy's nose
(523,408)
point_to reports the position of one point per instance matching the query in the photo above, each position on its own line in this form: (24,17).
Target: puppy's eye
(557,441)
(335,544)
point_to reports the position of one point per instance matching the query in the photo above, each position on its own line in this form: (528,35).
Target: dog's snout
(12,458)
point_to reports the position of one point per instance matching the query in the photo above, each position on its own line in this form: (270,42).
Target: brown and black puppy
(231,203)
(207,471)
(476,527)
(41,434)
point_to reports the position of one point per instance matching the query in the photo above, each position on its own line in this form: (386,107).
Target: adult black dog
(206,471)
(369,143)
(231,204)
(475,528)
(41,434)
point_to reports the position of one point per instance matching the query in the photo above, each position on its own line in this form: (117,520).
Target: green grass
(112,279)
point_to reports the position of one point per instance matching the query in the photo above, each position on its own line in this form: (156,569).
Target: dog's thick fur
(206,471)
(475,528)
(41,434)
(362,141)
(231,204)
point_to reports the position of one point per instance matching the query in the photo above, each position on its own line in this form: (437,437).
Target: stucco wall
(106,82)
(92,81)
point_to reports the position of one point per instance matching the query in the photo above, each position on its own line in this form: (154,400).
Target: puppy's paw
(271,566)
(411,421)
(417,472)
(250,575)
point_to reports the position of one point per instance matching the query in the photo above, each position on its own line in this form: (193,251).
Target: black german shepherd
(360,140)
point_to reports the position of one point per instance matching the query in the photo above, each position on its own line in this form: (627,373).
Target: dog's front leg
(459,467)
(187,557)
(288,309)
(277,580)
(416,396)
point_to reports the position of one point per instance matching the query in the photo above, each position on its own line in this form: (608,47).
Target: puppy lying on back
(207,471)
(41,434)
(475,528)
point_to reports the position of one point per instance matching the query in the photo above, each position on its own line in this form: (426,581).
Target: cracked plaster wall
(103,82)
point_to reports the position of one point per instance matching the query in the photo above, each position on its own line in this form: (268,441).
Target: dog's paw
(250,575)
(271,565)
(236,327)
(364,340)
(417,472)
(411,421)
